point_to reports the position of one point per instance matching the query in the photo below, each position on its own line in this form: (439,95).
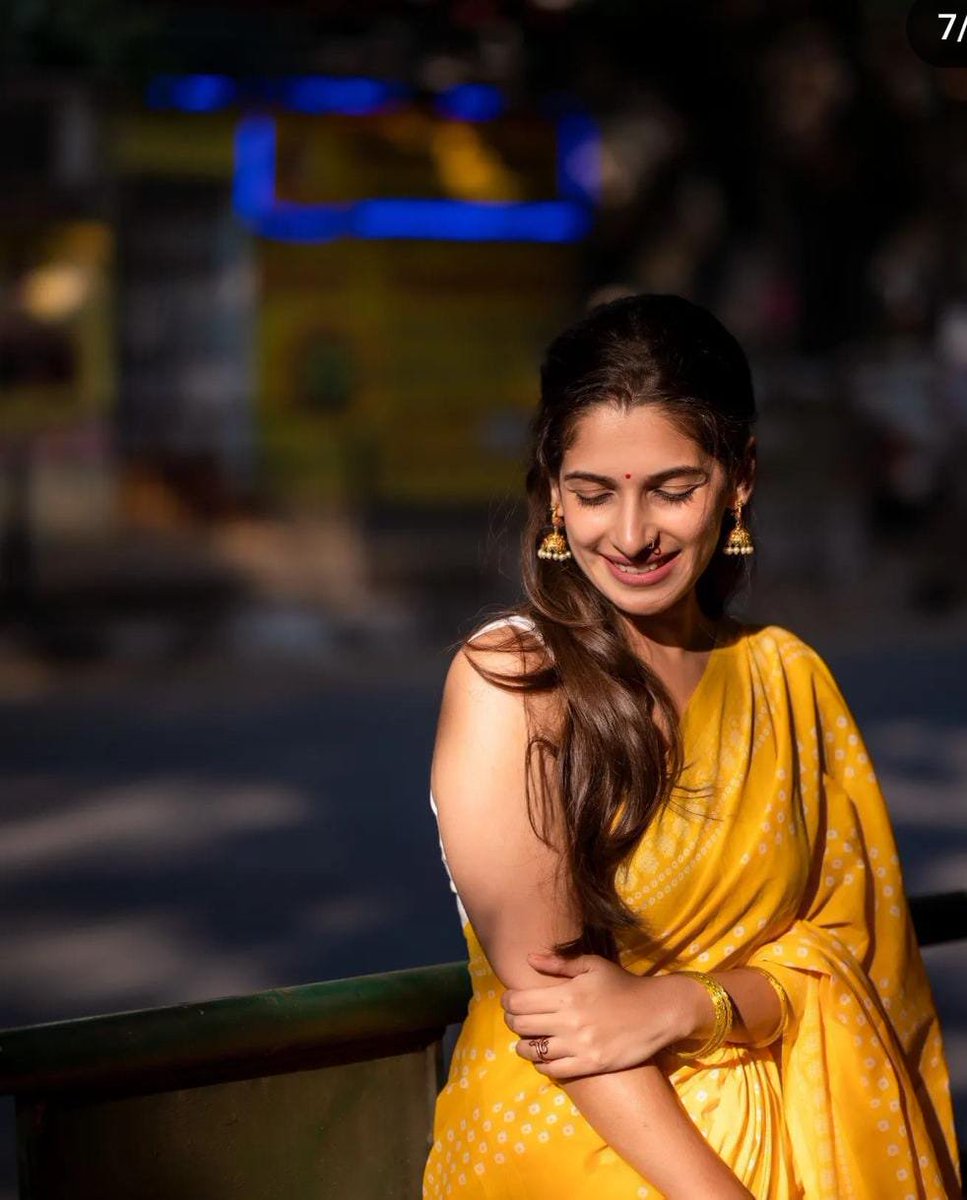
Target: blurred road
(206,832)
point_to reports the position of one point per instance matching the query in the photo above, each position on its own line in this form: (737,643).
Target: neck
(684,628)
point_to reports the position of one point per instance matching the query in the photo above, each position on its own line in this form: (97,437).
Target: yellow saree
(787,862)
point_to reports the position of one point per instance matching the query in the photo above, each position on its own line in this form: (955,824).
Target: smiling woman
(653,484)
(694,971)
(661,523)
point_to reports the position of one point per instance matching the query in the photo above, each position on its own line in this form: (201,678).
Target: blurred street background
(275,280)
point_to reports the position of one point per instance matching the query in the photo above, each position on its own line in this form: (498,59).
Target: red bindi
(627,475)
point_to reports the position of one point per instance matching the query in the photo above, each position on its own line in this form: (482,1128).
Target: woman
(694,973)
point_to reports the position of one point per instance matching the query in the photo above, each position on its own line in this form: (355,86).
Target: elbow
(505,949)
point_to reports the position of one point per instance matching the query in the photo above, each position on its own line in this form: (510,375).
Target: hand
(600,1017)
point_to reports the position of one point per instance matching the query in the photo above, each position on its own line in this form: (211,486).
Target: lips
(651,562)
(642,577)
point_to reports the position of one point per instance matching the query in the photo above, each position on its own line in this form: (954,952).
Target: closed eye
(677,497)
(670,497)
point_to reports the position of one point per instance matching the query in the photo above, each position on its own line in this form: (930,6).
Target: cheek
(586,523)
(696,526)
(706,519)
(698,535)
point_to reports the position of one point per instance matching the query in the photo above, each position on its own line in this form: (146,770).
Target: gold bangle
(722,1004)
(784,1010)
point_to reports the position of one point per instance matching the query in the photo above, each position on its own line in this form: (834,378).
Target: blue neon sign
(565,218)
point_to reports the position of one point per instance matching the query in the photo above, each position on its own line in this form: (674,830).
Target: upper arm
(510,881)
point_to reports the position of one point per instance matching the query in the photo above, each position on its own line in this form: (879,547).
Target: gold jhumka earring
(554,545)
(739,539)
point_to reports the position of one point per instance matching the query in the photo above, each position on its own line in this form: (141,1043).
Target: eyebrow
(660,477)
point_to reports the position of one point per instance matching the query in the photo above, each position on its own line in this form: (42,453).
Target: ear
(556,496)
(743,492)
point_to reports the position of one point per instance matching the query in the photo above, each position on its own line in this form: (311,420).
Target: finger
(562,1068)
(534,1000)
(554,964)
(534,1026)
(530,1048)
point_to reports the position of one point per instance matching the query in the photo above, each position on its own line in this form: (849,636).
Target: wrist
(778,1028)
(723,1014)
(693,1011)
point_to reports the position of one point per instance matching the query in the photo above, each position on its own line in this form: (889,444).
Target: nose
(633,538)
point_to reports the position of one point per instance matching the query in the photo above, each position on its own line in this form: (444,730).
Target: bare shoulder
(506,651)
(483,780)
(492,738)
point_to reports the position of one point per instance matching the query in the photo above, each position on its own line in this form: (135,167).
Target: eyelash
(671,497)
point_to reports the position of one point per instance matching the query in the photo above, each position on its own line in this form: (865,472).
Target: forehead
(641,439)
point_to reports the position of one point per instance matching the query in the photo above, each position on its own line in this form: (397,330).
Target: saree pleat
(776,851)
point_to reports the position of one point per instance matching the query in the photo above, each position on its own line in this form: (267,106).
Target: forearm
(757,1012)
(639,1115)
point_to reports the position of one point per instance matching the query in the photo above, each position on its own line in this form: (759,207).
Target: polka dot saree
(777,851)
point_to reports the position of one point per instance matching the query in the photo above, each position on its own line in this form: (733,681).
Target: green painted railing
(301,1093)
(267,1029)
(318,1092)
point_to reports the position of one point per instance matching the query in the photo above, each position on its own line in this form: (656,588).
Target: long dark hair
(613,765)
